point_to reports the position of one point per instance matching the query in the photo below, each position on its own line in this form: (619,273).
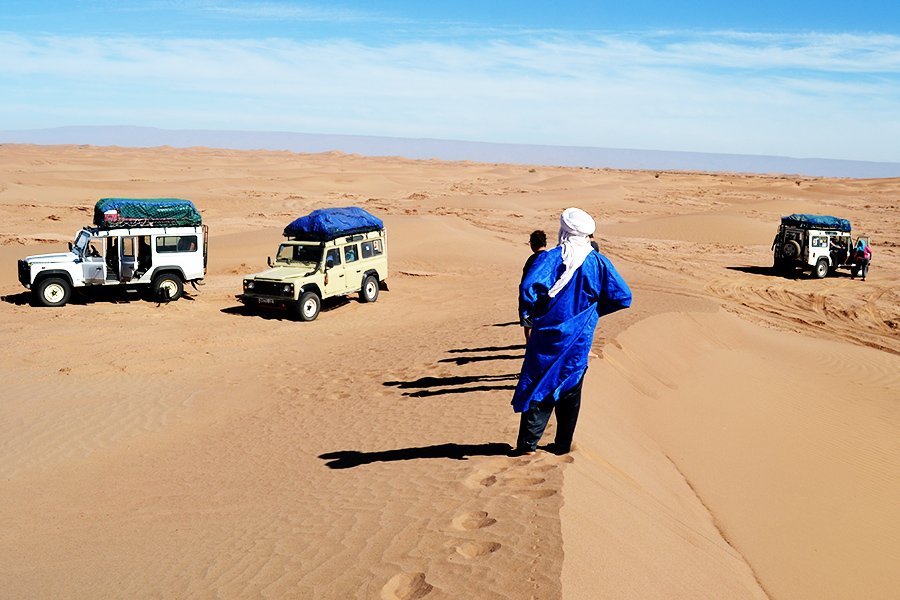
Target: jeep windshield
(81,242)
(307,254)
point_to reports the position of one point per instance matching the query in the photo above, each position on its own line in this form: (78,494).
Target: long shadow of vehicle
(275,314)
(100,295)
(773,272)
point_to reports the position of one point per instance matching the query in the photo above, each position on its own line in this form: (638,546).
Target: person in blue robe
(565,292)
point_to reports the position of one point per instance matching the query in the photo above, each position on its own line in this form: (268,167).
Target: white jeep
(158,258)
(816,243)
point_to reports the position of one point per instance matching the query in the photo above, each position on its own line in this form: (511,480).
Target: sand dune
(738,439)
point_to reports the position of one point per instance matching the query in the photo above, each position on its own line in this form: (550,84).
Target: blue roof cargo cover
(330,223)
(816,222)
(145,212)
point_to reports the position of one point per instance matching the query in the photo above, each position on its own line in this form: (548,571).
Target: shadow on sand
(509,324)
(792,274)
(766,271)
(276,314)
(346,459)
(100,295)
(446,382)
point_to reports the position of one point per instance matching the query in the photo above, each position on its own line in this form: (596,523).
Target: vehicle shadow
(20,299)
(275,314)
(766,271)
(346,459)
(796,274)
(112,295)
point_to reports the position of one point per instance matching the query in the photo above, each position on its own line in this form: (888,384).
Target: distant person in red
(862,255)
(538,242)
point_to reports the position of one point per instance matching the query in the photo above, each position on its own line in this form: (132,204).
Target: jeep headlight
(248,284)
(288,289)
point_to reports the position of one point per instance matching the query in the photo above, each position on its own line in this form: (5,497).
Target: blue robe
(556,355)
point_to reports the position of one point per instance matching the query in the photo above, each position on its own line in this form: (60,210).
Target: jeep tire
(791,250)
(52,291)
(308,306)
(369,290)
(167,286)
(821,268)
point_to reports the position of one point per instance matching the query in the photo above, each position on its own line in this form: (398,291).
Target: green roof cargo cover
(145,212)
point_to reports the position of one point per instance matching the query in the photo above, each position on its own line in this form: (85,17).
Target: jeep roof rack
(816,222)
(111,213)
(330,223)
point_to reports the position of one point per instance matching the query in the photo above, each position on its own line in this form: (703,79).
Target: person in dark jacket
(537,241)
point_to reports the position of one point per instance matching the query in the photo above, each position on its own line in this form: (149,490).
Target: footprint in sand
(473,520)
(488,481)
(406,586)
(522,481)
(476,549)
(480,479)
(533,494)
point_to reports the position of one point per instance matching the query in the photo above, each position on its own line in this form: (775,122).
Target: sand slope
(739,435)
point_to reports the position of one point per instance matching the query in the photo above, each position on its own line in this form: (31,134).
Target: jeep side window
(176,243)
(376,247)
(350,254)
(144,259)
(128,247)
(366,248)
(333,258)
(819,242)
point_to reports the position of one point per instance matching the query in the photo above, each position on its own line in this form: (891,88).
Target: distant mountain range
(564,156)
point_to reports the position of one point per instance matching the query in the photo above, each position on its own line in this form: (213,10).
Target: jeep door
(335,273)
(128,258)
(93,266)
(353,267)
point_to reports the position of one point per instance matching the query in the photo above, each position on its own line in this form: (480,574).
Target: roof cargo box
(816,222)
(330,223)
(145,212)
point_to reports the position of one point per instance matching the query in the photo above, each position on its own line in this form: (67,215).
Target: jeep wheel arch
(311,287)
(172,270)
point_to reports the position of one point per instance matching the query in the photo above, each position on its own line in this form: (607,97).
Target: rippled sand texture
(739,434)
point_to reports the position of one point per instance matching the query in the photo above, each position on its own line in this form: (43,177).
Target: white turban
(575,226)
(574,221)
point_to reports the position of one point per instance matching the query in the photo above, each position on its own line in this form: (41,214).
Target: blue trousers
(535,419)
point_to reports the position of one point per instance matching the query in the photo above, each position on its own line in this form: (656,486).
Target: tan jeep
(305,272)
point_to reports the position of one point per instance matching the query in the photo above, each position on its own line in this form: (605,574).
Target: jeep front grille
(271,288)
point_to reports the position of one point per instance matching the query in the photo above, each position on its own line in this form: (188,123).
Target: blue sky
(803,79)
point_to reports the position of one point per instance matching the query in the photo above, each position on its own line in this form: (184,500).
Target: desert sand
(739,436)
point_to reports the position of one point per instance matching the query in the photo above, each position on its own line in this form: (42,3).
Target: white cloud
(718,92)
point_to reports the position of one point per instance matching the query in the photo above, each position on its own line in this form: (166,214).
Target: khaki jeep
(306,271)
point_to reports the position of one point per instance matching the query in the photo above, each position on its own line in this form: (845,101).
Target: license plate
(266,301)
